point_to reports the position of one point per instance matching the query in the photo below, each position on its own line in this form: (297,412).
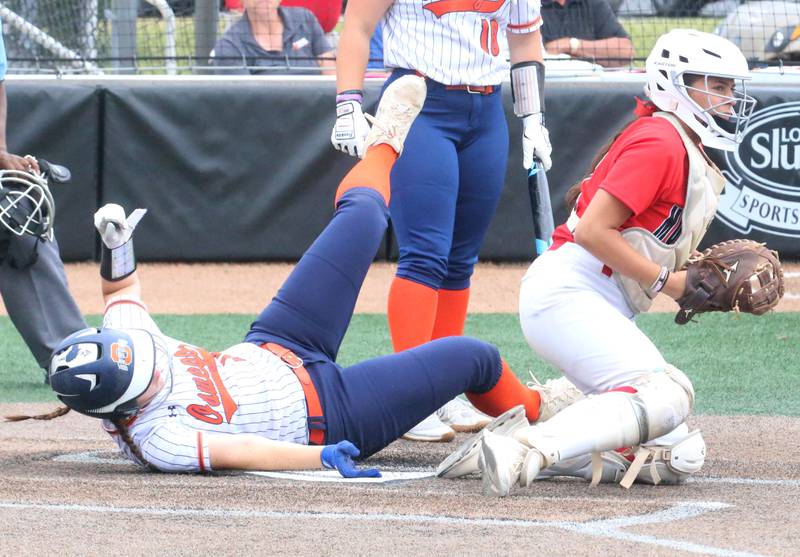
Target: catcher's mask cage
(102,372)
(682,56)
(26,204)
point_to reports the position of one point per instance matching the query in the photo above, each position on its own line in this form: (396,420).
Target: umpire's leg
(37,297)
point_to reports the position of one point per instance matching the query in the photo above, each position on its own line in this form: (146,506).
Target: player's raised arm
(118,261)
(360,19)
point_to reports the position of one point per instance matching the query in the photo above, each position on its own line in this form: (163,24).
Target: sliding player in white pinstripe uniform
(244,389)
(176,407)
(447,184)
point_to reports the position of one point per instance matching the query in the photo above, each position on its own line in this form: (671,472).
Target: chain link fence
(179,36)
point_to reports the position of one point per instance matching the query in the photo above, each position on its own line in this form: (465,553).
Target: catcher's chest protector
(703,189)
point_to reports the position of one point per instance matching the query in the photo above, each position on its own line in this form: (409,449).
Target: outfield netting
(177,36)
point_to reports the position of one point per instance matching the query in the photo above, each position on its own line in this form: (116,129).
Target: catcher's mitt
(737,275)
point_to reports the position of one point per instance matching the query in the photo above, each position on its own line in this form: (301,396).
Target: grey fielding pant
(36,297)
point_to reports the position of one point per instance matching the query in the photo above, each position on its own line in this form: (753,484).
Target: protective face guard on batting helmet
(102,372)
(26,204)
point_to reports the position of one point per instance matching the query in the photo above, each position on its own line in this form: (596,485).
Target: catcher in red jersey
(639,216)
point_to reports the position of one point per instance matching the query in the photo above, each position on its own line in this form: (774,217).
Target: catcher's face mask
(26,204)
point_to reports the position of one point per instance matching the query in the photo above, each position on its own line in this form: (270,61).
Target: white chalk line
(91,457)
(793,274)
(608,528)
(744,481)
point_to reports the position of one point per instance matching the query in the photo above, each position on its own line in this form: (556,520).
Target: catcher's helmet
(26,204)
(101,372)
(685,52)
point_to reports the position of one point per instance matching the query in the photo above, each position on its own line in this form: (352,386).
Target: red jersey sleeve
(650,162)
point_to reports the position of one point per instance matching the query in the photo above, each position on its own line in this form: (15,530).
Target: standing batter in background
(32,279)
(447,184)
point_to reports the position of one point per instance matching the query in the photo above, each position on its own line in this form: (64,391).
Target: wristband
(660,281)
(527,88)
(350,95)
(118,263)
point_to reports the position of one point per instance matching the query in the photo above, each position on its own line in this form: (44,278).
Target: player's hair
(57,413)
(571,197)
(122,430)
(125,435)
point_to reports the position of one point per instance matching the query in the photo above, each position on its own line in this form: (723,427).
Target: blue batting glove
(340,456)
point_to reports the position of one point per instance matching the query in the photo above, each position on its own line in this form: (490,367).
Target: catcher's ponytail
(571,197)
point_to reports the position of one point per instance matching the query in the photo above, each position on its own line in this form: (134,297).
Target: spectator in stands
(272,36)
(327,11)
(585,29)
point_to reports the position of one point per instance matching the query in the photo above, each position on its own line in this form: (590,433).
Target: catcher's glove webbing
(737,275)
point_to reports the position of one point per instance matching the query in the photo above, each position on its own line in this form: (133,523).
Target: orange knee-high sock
(412,311)
(371,172)
(451,313)
(508,392)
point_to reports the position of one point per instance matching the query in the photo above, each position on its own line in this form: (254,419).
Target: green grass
(739,364)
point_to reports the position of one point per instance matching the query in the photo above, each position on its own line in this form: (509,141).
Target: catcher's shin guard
(672,464)
(616,419)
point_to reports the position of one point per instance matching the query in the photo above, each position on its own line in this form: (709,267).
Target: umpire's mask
(26,204)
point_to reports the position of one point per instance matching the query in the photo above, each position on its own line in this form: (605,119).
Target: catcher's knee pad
(663,401)
(670,464)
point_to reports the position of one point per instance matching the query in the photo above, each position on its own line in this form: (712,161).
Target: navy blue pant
(446,186)
(374,402)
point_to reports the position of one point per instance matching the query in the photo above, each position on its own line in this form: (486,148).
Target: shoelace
(391,130)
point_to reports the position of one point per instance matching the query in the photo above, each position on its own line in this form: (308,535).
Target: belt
(472,89)
(316,419)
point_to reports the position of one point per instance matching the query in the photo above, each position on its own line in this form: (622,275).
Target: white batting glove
(535,141)
(351,129)
(112,225)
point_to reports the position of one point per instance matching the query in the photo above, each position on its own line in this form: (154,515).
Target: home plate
(387,476)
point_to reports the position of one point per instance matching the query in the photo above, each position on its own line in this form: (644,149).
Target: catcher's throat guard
(26,204)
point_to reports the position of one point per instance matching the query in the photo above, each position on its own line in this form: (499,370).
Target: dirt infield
(62,489)
(245,288)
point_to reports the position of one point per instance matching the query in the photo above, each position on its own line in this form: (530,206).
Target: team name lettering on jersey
(441,7)
(211,389)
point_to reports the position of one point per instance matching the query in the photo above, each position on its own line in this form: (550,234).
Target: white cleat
(464,460)
(531,467)
(555,394)
(399,106)
(461,416)
(501,461)
(430,430)
(614,467)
